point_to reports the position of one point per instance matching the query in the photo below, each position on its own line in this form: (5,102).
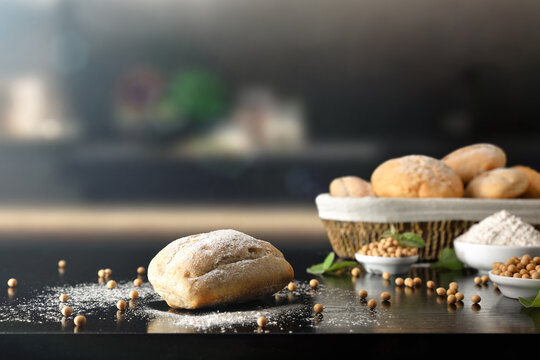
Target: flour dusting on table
(89,299)
(342,311)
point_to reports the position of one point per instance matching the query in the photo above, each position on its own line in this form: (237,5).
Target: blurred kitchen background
(162,118)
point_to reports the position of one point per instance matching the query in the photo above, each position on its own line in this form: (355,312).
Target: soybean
(67,311)
(291,286)
(79,320)
(262,321)
(121,305)
(441,291)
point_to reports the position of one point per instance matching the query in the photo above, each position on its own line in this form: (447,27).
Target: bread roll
(533,190)
(472,160)
(498,184)
(218,267)
(416,176)
(352,186)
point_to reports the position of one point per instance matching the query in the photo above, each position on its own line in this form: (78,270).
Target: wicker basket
(353,222)
(348,237)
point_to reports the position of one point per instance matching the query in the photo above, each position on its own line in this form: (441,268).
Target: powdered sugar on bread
(204,253)
(415,176)
(217,267)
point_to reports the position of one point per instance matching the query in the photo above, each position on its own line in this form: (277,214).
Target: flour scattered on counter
(175,321)
(502,228)
(90,299)
(342,312)
(286,311)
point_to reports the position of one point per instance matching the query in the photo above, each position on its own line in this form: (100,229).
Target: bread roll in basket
(352,222)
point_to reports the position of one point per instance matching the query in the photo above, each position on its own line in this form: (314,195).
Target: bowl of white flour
(497,238)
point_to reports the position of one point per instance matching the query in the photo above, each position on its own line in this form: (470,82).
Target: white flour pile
(502,228)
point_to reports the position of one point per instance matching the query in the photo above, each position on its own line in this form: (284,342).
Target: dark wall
(464,69)
(400,77)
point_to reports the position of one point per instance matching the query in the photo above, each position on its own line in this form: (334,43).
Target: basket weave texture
(348,237)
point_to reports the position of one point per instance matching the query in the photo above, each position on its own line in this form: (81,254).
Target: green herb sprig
(329,266)
(531,303)
(447,260)
(408,239)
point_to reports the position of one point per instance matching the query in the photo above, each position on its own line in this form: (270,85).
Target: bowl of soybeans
(517,277)
(386,255)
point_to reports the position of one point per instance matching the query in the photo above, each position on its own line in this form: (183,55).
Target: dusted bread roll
(498,184)
(352,186)
(533,191)
(218,267)
(416,176)
(472,160)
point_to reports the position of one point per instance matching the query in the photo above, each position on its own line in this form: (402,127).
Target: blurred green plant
(197,95)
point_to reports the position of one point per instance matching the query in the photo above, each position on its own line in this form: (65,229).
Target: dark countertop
(31,313)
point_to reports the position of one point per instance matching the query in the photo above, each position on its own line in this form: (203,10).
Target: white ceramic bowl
(380,264)
(482,257)
(515,288)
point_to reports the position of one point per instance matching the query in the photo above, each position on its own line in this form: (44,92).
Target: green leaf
(328,261)
(448,256)
(328,265)
(447,260)
(341,265)
(528,303)
(390,233)
(408,239)
(411,239)
(316,269)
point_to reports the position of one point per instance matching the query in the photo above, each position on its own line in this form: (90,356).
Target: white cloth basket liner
(389,210)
